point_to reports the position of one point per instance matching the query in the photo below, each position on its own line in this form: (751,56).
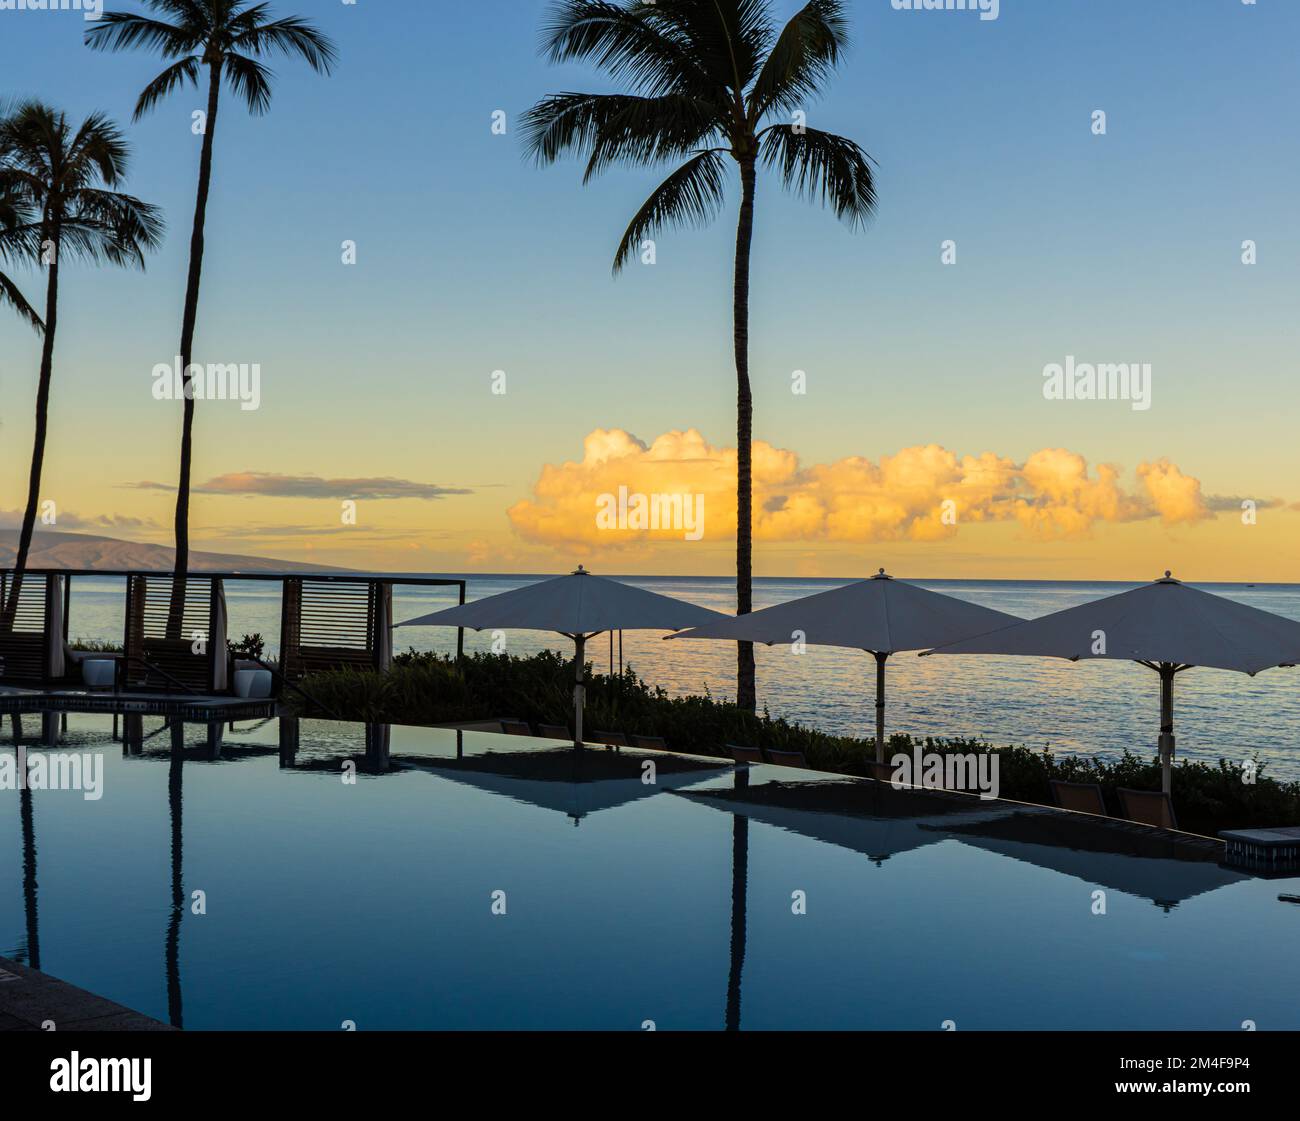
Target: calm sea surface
(1099,707)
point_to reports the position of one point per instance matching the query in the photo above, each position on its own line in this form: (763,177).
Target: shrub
(250,646)
(425,688)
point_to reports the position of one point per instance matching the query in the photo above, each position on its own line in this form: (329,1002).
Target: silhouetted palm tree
(64,178)
(16,237)
(228,37)
(16,234)
(711,77)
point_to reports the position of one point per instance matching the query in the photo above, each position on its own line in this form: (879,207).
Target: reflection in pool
(288,875)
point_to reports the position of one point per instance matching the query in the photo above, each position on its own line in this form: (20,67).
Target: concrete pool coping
(198,708)
(30,999)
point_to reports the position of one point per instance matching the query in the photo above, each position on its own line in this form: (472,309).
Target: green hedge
(435,689)
(95,646)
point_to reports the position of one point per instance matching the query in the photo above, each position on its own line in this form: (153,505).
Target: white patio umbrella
(882,616)
(578,606)
(1166,626)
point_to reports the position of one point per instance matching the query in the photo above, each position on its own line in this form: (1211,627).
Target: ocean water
(1098,707)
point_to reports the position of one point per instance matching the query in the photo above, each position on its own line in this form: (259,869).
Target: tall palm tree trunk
(746,691)
(38,442)
(176,612)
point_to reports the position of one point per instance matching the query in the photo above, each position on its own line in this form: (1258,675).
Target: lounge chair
(1149,807)
(654,743)
(1082,797)
(609,739)
(516,728)
(787,758)
(745,754)
(554,732)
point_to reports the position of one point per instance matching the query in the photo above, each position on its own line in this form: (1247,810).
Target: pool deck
(29,1000)
(183,706)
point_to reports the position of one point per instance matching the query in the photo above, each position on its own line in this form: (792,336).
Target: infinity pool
(316,876)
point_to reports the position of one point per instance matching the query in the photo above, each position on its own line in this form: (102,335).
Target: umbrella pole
(580,686)
(880,706)
(1166,727)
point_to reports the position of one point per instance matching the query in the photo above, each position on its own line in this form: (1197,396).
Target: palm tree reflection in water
(29,878)
(172,951)
(739,893)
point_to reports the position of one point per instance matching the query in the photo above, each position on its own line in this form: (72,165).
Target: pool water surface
(313,875)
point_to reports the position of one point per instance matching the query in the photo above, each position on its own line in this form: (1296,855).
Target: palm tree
(16,241)
(228,37)
(62,179)
(712,80)
(15,245)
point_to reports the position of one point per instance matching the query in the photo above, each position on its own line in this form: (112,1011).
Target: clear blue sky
(473,260)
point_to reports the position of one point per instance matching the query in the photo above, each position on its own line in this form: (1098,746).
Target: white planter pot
(253,684)
(98,673)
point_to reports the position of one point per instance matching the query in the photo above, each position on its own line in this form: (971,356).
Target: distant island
(84,550)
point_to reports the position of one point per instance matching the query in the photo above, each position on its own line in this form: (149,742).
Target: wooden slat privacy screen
(329,624)
(24,652)
(187,657)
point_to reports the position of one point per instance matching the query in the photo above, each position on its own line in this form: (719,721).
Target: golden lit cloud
(618,494)
(1176,496)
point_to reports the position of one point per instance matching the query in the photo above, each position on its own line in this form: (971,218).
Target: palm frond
(98,148)
(16,243)
(291,36)
(691,195)
(250,81)
(23,186)
(823,167)
(628,43)
(126,31)
(729,37)
(178,74)
(21,242)
(565,122)
(650,130)
(806,52)
(11,295)
(13,210)
(198,13)
(608,128)
(248,18)
(129,226)
(31,136)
